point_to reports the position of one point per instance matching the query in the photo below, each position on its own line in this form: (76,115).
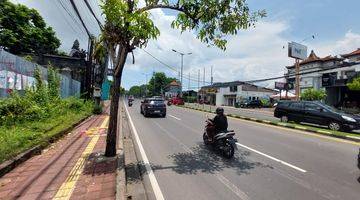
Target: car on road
(153,106)
(316,113)
(177,101)
(251,104)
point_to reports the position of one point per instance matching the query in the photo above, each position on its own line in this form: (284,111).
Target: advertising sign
(280,85)
(296,50)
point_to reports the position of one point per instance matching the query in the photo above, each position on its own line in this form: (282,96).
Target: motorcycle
(223,141)
(130,103)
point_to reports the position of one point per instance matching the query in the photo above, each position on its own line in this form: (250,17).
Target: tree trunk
(114,107)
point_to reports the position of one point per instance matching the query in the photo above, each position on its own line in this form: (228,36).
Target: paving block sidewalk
(72,168)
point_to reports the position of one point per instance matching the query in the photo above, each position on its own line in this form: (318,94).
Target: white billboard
(297,50)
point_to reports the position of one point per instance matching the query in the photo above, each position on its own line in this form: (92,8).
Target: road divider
(318,132)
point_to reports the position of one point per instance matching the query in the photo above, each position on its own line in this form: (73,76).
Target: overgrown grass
(36,116)
(23,135)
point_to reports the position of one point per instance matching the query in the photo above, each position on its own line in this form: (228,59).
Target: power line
(64,6)
(170,67)
(67,21)
(93,13)
(80,18)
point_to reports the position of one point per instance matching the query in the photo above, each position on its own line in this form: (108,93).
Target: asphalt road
(271,162)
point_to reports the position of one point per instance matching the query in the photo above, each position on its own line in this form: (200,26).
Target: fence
(17,74)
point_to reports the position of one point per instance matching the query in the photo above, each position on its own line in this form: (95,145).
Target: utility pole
(204,77)
(154,83)
(212,78)
(189,82)
(182,68)
(297,79)
(198,80)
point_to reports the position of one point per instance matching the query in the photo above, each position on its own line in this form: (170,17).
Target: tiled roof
(356,52)
(174,83)
(314,58)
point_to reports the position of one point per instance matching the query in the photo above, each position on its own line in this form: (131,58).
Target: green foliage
(214,20)
(190,99)
(313,95)
(37,103)
(23,30)
(158,83)
(53,83)
(354,84)
(97,109)
(136,91)
(28,58)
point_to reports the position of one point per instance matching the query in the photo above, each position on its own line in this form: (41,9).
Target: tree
(135,91)
(23,30)
(128,26)
(354,84)
(76,45)
(313,95)
(160,81)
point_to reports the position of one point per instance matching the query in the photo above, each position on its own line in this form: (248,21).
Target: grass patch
(23,135)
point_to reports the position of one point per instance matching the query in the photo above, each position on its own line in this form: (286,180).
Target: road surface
(271,162)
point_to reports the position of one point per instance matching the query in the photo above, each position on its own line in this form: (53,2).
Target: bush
(97,109)
(313,95)
(39,102)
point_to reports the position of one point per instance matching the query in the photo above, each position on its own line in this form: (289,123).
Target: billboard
(280,85)
(296,50)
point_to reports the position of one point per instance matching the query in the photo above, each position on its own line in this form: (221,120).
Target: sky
(252,54)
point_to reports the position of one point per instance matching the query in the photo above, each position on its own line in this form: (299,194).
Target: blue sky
(252,54)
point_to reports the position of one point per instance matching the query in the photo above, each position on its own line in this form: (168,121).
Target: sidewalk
(72,168)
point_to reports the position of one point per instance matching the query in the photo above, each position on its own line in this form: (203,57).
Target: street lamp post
(181,69)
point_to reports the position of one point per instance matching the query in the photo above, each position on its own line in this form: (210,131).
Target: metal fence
(18,74)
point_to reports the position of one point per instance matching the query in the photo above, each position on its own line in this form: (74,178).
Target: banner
(3,79)
(18,85)
(10,80)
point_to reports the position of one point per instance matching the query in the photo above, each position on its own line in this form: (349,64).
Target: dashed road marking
(272,158)
(175,117)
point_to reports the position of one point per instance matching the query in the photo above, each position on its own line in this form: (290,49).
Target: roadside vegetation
(37,115)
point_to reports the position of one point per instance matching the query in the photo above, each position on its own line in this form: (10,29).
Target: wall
(18,74)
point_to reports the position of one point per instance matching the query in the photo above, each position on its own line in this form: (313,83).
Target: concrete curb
(286,125)
(9,165)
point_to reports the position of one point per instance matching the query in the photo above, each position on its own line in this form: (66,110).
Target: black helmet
(219,111)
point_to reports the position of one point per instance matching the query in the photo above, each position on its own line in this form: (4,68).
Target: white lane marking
(220,177)
(232,187)
(153,181)
(175,117)
(272,158)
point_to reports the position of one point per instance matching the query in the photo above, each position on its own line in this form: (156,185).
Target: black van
(316,113)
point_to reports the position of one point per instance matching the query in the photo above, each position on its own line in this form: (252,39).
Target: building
(173,89)
(329,73)
(229,93)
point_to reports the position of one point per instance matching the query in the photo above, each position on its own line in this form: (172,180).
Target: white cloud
(252,54)
(348,43)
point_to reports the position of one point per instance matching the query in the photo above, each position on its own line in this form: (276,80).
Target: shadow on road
(200,160)
(203,160)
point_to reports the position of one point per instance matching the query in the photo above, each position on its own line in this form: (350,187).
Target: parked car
(177,101)
(316,113)
(152,106)
(251,104)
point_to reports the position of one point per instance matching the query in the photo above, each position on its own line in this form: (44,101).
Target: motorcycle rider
(220,123)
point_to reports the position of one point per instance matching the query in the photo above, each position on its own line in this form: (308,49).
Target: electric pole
(204,77)
(182,68)
(189,82)
(212,78)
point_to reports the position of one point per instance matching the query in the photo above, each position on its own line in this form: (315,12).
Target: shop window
(233,88)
